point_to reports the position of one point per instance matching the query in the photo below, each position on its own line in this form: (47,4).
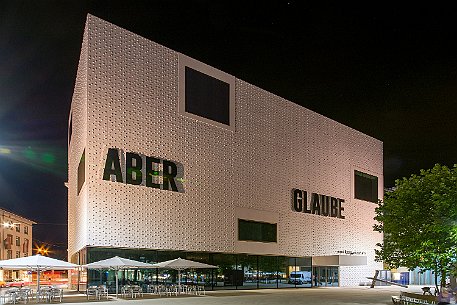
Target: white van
(300,277)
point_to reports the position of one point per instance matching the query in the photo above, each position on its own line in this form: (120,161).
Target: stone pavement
(321,296)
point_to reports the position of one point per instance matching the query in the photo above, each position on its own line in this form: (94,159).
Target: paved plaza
(327,296)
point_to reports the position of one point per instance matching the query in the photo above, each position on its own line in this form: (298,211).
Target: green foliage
(419,222)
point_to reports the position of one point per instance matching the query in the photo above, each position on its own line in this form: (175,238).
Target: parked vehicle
(17,283)
(300,277)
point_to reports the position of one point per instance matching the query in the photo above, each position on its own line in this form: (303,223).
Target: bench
(407,298)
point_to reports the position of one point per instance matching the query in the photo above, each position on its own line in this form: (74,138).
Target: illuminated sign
(138,169)
(317,204)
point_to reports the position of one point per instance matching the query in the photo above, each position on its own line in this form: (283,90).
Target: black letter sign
(169,173)
(133,169)
(112,166)
(298,201)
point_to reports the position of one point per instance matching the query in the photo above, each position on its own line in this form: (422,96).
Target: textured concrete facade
(127,97)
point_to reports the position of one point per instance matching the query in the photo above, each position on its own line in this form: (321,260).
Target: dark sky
(386,70)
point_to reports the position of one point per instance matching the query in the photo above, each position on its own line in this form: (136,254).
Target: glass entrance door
(327,276)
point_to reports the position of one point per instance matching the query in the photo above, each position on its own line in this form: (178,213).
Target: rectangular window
(207,96)
(366,186)
(8,241)
(25,246)
(18,241)
(26,230)
(81,171)
(249,230)
(18,254)
(18,227)
(70,128)
(9,254)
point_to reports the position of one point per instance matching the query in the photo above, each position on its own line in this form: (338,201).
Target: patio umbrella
(118,263)
(181,264)
(36,263)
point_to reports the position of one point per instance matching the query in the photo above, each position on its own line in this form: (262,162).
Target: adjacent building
(16,234)
(169,157)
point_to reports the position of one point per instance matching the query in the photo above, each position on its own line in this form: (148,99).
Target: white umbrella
(118,263)
(36,263)
(181,264)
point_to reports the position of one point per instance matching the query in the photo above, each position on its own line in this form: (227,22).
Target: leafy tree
(419,222)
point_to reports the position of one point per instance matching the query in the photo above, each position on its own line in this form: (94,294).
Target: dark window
(18,227)
(26,230)
(249,230)
(18,241)
(366,187)
(81,171)
(207,96)
(70,128)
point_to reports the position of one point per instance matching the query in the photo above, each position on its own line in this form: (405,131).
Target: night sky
(386,70)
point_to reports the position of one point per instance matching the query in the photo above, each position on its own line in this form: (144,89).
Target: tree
(419,222)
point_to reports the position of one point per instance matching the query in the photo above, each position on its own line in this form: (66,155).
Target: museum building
(169,157)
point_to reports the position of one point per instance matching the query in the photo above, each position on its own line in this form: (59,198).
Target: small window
(70,128)
(9,254)
(26,230)
(249,230)
(18,227)
(25,246)
(81,171)
(8,241)
(18,254)
(366,187)
(18,241)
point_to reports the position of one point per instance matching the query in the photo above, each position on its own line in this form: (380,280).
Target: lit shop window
(249,230)
(81,171)
(366,186)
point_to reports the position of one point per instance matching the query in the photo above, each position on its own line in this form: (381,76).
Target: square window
(206,94)
(366,186)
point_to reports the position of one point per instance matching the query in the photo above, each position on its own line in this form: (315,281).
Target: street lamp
(10,224)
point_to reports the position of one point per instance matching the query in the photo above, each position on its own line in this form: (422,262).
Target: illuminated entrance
(325,276)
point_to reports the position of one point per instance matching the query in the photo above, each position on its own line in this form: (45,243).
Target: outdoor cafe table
(15,295)
(48,294)
(132,290)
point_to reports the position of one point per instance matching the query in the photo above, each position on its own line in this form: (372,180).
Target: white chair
(92,291)
(136,291)
(102,291)
(200,289)
(56,294)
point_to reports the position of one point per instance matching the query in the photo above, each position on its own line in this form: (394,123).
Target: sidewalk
(321,296)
